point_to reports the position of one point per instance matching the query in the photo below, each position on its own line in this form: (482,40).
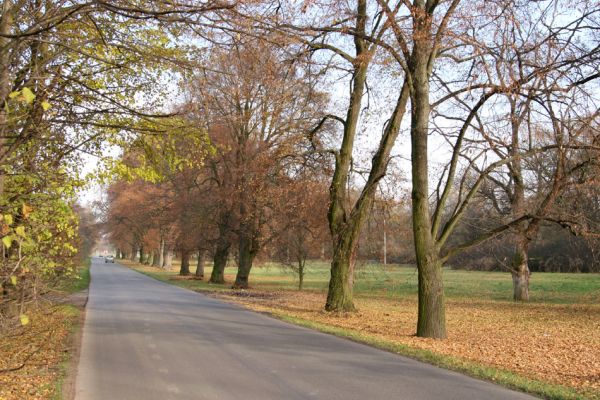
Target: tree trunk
(6,22)
(141,255)
(161,252)
(184,270)
(220,262)
(168,259)
(520,271)
(432,311)
(431,319)
(156,258)
(200,266)
(133,253)
(247,252)
(301,272)
(339,295)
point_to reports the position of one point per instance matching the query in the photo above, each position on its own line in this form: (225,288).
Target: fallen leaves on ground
(30,356)
(554,343)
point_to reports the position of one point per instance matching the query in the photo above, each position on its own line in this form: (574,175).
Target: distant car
(109,259)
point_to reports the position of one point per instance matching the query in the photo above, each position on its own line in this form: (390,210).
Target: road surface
(144,339)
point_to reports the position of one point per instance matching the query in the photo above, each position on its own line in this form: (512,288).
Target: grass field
(395,281)
(549,346)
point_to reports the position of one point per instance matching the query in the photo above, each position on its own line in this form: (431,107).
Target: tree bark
(184,270)
(301,273)
(6,22)
(247,252)
(156,258)
(168,259)
(520,271)
(222,250)
(431,319)
(161,252)
(339,295)
(200,265)
(220,261)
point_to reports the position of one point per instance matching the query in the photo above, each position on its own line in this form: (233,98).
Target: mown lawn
(549,346)
(398,281)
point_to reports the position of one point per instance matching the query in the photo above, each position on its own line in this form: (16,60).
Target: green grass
(79,281)
(375,280)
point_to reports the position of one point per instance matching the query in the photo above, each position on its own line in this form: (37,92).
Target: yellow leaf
(26,210)
(46,105)
(8,219)
(7,241)
(20,230)
(14,94)
(28,95)
(13,280)
(24,319)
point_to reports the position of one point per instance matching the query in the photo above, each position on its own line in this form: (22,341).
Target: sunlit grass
(401,281)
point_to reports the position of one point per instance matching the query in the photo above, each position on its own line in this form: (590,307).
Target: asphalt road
(148,340)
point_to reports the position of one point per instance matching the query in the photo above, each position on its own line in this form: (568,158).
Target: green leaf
(7,241)
(45,105)
(13,280)
(14,94)
(20,230)
(24,319)
(8,219)
(28,95)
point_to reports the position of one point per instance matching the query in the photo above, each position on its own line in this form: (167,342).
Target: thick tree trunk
(247,252)
(431,319)
(168,259)
(339,295)
(141,254)
(200,266)
(184,270)
(520,271)
(133,253)
(220,262)
(156,258)
(432,311)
